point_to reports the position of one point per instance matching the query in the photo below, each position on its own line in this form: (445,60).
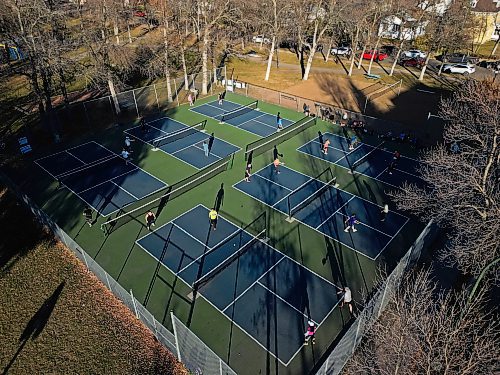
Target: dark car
(458,58)
(416,62)
(490,64)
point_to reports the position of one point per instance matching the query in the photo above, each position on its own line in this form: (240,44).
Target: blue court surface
(187,147)
(375,165)
(254,121)
(264,292)
(324,208)
(99,177)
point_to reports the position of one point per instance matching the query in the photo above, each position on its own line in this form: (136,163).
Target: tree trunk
(116,32)
(495,47)
(422,73)
(373,55)
(361,55)
(112,91)
(270,59)
(330,44)
(129,33)
(310,58)
(184,69)
(396,59)
(204,61)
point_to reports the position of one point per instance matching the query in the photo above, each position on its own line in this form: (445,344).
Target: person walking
(346,298)
(320,140)
(326,144)
(397,155)
(143,124)
(384,212)
(211,142)
(190,99)
(128,144)
(354,142)
(205,148)
(212,216)
(219,98)
(310,332)
(306,110)
(350,221)
(276,153)
(125,155)
(247,173)
(277,164)
(279,122)
(87,212)
(150,219)
(392,166)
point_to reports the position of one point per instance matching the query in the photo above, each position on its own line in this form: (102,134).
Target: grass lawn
(56,317)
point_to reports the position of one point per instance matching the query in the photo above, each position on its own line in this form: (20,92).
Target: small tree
(464,192)
(427,331)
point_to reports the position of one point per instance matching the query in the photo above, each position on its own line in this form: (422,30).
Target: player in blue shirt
(351,220)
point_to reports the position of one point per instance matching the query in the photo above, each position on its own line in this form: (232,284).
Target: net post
(134,304)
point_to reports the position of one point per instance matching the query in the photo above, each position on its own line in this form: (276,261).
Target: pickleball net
(63,177)
(366,157)
(190,130)
(159,199)
(311,190)
(239,111)
(264,144)
(246,238)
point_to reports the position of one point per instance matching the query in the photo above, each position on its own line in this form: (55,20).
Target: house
(487,13)
(401,28)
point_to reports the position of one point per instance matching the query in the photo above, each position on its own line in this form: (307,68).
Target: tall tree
(464,193)
(425,330)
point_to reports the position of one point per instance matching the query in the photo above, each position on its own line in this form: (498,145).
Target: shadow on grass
(36,324)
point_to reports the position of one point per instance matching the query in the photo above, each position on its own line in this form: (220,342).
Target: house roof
(487,6)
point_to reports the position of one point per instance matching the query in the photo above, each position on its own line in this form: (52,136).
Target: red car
(377,55)
(416,62)
(139,13)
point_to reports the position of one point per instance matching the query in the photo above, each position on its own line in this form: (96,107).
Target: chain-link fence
(126,106)
(185,345)
(347,345)
(325,111)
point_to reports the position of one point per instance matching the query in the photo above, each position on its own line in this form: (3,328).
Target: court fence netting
(322,110)
(183,343)
(346,346)
(101,111)
(158,200)
(264,144)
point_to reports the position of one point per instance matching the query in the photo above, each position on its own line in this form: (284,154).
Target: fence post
(133,303)
(85,260)
(156,96)
(176,338)
(279,95)
(135,102)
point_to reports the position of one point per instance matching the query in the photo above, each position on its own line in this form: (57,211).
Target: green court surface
(134,268)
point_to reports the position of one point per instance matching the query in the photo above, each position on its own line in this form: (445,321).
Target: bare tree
(425,330)
(464,192)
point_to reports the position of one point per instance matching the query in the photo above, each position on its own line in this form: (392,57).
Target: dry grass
(56,318)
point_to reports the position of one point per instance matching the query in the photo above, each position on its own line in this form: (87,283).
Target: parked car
(261,39)
(416,62)
(342,51)
(414,53)
(140,13)
(389,49)
(377,55)
(464,69)
(458,58)
(494,65)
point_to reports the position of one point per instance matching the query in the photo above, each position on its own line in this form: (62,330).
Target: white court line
(341,166)
(265,178)
(285,301)
(109,180)
(395,234)
(294,190)
(209,153)
(368,226)
(125,190)
(316,229)
(329,217)
(224,314)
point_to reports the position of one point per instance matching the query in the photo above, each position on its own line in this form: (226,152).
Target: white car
(459,68)
(414,53)
(261,39)
(340,51)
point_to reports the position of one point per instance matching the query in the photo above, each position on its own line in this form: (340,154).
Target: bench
(372,76)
